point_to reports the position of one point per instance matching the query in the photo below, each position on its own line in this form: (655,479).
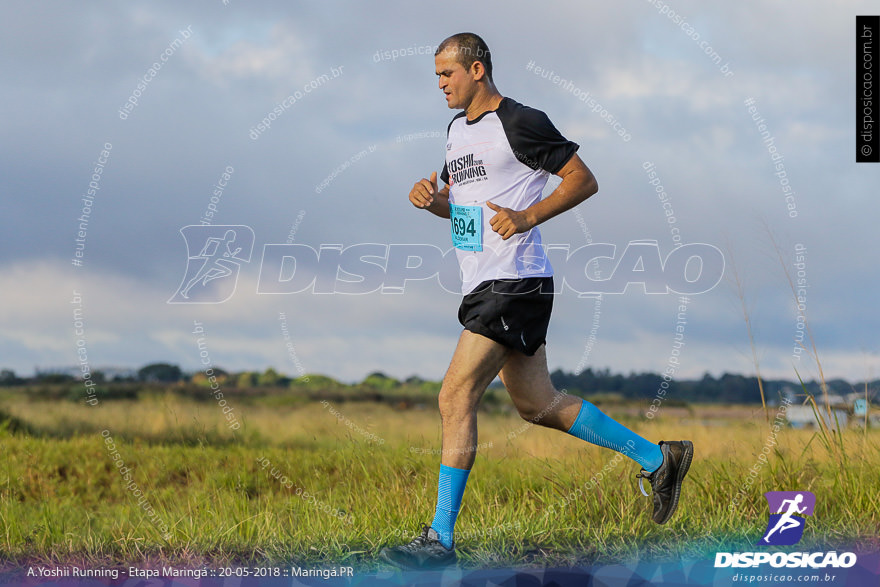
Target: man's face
(456,82)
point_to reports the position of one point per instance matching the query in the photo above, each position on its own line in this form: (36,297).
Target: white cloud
(283,58)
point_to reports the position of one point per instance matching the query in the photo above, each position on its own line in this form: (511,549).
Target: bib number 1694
(467,227)
(464,228)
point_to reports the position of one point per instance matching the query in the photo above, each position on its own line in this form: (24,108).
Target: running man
(786,520)
(499,156)
(216,264)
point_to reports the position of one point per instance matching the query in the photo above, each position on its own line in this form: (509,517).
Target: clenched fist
(507,222)
(422,193)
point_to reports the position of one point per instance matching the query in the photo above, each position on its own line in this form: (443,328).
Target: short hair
(468,48)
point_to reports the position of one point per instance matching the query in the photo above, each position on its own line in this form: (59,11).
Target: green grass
(63,501)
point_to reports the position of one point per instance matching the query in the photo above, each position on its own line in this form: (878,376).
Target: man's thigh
(528,382)
(475,363)
(527,377)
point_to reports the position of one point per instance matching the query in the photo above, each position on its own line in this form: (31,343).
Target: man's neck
(481,104)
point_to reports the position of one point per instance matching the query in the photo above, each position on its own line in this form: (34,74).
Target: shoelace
(421,539)
(640,476)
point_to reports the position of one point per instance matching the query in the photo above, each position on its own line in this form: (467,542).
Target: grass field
(312,483)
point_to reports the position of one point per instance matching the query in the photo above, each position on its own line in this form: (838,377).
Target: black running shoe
(424,552)
(666,480)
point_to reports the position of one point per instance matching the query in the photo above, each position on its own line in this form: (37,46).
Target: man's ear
(477,70)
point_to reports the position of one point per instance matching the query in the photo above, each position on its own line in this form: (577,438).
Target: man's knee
(540,410)
(456,401)
(530,412)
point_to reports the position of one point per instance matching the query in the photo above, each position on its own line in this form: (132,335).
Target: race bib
(467,227)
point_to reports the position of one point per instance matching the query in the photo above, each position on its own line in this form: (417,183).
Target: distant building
(801,416)
(836,411)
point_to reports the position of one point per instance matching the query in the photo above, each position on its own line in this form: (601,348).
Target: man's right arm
(425,195)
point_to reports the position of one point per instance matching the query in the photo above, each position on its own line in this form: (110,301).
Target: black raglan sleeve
(534,139)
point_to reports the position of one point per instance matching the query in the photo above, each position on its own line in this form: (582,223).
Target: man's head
(464,66)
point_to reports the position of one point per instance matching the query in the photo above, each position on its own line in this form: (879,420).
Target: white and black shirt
(504,156)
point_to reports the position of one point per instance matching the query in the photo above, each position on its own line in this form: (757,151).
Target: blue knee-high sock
(594,426)
(450,489)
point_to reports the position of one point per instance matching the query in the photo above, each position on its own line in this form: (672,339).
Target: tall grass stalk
(741,294)
(832,438)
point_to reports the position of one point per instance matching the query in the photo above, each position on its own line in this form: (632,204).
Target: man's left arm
(578,184)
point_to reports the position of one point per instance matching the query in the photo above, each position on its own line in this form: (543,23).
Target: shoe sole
(687,457)
(386,558)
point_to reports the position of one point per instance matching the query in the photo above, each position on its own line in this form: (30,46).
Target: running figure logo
(212,274)
(786,523)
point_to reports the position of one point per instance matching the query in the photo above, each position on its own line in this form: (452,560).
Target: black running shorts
(513,312)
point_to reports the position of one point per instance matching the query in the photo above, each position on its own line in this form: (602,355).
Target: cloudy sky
(366,120)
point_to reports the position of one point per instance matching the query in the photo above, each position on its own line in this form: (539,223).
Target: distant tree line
(166,373)
(728,388)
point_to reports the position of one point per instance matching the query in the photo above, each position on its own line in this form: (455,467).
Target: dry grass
(63,500)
